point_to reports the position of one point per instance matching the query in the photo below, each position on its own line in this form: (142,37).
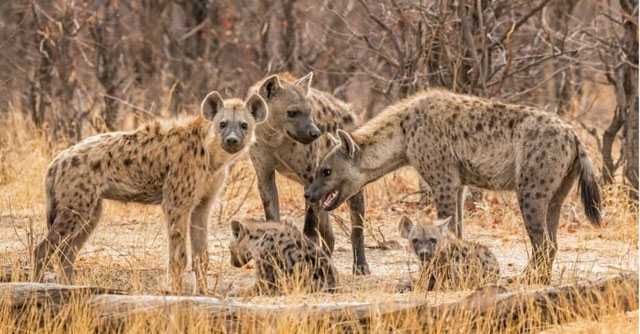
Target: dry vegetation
(128,249)
(75,68)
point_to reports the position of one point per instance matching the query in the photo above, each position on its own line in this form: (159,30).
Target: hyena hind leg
(73,244)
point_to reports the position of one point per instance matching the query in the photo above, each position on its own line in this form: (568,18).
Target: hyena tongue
(329,200)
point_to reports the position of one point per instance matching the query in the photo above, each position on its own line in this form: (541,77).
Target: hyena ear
(443,225)
(270,86)
(335,141)
(238,230)
(305,82)
(258,108)
(211,105)
(348,144)
(404,226)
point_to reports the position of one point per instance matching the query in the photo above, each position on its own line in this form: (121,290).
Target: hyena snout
(305,130)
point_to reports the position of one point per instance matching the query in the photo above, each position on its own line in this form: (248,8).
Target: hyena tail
(52,206)
(587,184)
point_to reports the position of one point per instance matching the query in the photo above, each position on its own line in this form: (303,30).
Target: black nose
(307,194)
(314,134)
(232,140)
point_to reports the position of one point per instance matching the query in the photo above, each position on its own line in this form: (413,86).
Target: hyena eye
(244,126)
(292,113)
(223,125)
(414,240)
(433,240)
(326,171)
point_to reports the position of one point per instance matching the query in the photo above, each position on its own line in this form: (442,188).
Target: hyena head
(240,246)
(290,112)
(233,119)
(426,240)
(338,176)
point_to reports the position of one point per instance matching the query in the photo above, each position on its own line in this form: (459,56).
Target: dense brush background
(71,69)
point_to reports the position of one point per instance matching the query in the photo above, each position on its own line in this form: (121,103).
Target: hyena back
(285,259)
(456,140)
(447,261)
(180,165)
(292,141)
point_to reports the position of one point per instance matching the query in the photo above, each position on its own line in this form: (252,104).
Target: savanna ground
(128,249)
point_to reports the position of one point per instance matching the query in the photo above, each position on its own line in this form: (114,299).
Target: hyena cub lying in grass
(286,260)
(180,165)
(456,140)
(447,261)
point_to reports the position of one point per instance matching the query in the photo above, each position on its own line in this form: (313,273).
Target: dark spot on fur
(75,162)
(127,161)
(347,119)
(479,127)
(96,166)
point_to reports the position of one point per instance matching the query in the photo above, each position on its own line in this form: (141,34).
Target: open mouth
(330,199)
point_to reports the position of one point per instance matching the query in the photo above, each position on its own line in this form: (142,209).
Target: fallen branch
(487,310)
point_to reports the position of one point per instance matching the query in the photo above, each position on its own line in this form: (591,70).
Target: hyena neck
(382,146)
(267,134)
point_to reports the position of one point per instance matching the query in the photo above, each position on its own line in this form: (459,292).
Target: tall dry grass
(129,247)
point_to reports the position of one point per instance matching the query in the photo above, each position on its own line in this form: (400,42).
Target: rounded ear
(404,226)
(349,145)
(335,141)
(257,107)
(238,230)
(443,225)
(211,105)
(270,86)
(305,82)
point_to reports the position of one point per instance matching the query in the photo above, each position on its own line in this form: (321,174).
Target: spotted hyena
(446,260)
(457,140)
(292,141)
(180,165)
(285,259)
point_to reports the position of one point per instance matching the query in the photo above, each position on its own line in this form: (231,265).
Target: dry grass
(128,249)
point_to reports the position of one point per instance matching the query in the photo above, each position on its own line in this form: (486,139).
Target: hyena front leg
(265,168)
(177,212)
(199,245)
(356,209)
(316,221)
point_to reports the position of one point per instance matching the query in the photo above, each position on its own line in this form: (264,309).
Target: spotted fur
(285,259)
(456,140)
(296,156)
(447,261)
(178,164)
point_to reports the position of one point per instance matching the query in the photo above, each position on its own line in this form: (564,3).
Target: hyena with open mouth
(456,140)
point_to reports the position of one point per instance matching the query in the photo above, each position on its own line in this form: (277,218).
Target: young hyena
(292,141)
(446,260)
(180,165)
(457,140)
(285,259)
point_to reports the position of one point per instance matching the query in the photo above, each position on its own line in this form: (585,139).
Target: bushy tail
(50,197)
(587,184)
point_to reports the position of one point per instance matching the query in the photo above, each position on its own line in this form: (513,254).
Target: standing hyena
(285,259)
(456,140)
(180,165)
(290,142)
(446,260)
